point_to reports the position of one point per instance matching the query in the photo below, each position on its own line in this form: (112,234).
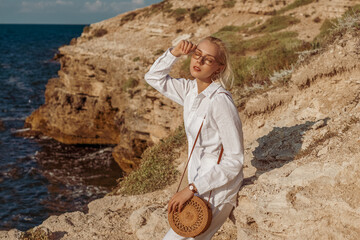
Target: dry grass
(156,169)
(37,234)
(229,3)
(128,17)
(255,59)
(274,24)
(100,32)
(335,28)
(198,13)
(130,83)
(295,4)
(179,14)
(161,7)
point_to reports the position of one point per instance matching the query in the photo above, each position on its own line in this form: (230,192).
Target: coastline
(301,158)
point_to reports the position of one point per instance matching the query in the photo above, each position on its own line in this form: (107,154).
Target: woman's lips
(196,68)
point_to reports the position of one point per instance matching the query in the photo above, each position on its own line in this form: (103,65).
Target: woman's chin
(199,75)
(195,74)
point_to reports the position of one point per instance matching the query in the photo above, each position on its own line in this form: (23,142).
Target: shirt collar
(209,90)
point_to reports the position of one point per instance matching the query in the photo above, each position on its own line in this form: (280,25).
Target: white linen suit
(222,125)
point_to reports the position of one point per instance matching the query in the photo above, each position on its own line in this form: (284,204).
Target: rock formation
(302,165)
(100,96)
(306,161)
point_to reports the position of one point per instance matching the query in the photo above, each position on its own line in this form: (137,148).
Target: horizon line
(45,23)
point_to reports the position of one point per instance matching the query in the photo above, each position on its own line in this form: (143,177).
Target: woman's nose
(201,60)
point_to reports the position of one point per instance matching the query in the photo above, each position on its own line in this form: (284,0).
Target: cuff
(169,58)
(201,186)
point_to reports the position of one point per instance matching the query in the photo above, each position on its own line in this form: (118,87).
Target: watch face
(191,187)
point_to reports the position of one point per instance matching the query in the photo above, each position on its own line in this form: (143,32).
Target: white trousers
(219,216)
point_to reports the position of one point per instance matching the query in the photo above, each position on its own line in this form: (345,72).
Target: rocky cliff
(100,96)
(302,165)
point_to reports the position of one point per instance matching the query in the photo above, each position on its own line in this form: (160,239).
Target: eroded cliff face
(302,168)
(100,96)
(302,145)
(305,153)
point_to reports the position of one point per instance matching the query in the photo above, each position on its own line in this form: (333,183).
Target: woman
(205,97)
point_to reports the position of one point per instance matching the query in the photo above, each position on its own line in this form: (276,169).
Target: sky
(65,11)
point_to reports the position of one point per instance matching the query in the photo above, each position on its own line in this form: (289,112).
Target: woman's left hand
(178,200)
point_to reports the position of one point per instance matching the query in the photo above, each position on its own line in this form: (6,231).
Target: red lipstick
(196,68)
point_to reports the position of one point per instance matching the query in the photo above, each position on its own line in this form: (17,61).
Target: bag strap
(197,136)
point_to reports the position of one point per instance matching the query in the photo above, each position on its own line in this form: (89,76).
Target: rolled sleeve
(158,77)
(226,117)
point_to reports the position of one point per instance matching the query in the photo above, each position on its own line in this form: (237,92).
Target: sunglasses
(208,60)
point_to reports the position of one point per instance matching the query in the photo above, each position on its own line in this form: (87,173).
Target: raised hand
(182,48)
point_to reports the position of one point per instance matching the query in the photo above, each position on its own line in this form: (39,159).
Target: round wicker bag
(194,218)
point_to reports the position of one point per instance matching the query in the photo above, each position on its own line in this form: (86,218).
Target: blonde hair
(226,76)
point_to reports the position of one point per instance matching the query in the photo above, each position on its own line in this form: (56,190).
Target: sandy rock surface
(302,144)
(100,96)
(306,189)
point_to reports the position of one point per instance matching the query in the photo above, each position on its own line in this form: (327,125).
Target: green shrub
(167,7)
(275,23)
(295,4)
(130,83)
(229,3)
(350,20)
(353,10)
(230,28)
(164,7)
(325,30)
(255,59)
(37,233)
(232,39)
(100,32)
(128,17)
(179,13)
(156,169)
(332,29)
(242,28)
(198,12)
(269,61)
(135,59)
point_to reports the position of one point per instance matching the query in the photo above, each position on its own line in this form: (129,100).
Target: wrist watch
(192,188)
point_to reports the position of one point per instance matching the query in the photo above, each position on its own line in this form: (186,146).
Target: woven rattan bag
(194,219)
(196,215)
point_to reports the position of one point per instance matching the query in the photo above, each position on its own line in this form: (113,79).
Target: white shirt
(222,125)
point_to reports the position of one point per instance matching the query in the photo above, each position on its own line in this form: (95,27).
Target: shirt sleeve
(229,125)
(158,77)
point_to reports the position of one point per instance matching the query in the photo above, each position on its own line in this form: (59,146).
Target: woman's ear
(221,69)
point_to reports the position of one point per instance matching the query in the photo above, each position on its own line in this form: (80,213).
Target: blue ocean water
(41,177)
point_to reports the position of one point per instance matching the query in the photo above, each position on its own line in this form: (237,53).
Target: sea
(40,177)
